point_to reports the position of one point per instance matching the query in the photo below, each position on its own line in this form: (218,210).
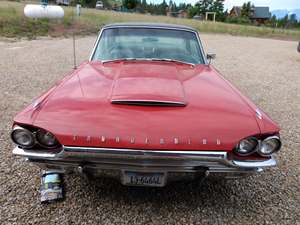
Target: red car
(146,108)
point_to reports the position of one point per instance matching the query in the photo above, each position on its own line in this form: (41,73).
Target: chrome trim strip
(148,153)
(152,27)
(143,102)
(121,153)
(33,154)
(96,44)
(258,114)
(160,25)
(187,158)
(259,164)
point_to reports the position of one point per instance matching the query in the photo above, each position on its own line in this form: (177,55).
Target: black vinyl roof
(150,25)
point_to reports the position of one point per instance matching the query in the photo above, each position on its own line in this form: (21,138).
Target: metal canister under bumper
(113,162)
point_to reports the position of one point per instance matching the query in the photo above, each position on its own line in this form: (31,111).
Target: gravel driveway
(268,71)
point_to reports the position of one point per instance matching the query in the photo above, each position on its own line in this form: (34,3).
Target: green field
(13,24)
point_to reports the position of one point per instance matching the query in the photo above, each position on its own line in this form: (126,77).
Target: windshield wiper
(119,60)
(172,60)
(148,59)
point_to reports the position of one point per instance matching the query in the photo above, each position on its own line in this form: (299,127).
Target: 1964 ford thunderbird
(146,108)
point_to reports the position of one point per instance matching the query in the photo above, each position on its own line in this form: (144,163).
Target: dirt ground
(268,71)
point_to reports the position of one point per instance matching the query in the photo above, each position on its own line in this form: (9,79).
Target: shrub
(238,20)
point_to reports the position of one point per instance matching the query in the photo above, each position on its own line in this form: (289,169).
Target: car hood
(211,115)
(129,89)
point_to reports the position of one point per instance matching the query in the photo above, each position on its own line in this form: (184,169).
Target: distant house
(235,11)
(63,2)
(182,14)
(259,14)
(179,14)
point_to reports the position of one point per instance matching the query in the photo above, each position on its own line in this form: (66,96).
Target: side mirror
(210,57)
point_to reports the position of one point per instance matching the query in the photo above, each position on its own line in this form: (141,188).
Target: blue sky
(274,4)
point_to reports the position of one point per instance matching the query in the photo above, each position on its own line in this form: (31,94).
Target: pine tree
(204,6)
(218,8)
(246,10)
(130,4)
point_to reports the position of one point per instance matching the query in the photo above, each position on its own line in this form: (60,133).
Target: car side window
(195,51)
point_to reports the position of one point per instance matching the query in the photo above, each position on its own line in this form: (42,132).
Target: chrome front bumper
(118,160)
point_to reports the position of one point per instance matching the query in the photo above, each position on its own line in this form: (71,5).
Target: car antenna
(78,7)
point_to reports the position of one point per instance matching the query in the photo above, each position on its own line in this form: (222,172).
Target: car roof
(150,25)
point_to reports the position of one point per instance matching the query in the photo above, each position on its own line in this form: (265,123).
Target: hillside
(13,24)
(111,3)
(280,13)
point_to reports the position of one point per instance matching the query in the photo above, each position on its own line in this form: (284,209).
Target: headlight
(46,139)
(269,146)
(247,146)
(22,137)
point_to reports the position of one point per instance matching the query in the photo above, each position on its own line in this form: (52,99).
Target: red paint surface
(81,105)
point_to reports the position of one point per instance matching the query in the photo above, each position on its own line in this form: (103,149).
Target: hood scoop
(148,103)
(148,91)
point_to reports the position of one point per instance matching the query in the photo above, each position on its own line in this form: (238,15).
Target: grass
(14,24)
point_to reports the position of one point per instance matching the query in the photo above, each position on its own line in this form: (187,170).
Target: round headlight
(269,146)
(247,146)
(46,139)
(22,137)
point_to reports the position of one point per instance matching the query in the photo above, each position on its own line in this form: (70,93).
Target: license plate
(144,179)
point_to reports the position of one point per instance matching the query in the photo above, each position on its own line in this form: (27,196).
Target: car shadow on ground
(232,195)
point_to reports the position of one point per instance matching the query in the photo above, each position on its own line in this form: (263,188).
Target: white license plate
(152,179)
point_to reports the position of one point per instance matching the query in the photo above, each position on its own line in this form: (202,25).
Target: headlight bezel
(22,129)
(40,142)
(33,132)
(253,150)
(258,148)
(275,137)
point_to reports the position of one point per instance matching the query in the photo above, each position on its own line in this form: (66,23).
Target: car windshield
(150,44)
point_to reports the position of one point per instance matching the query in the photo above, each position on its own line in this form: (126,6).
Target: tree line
(143,6)
(199,9)
(245,18)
